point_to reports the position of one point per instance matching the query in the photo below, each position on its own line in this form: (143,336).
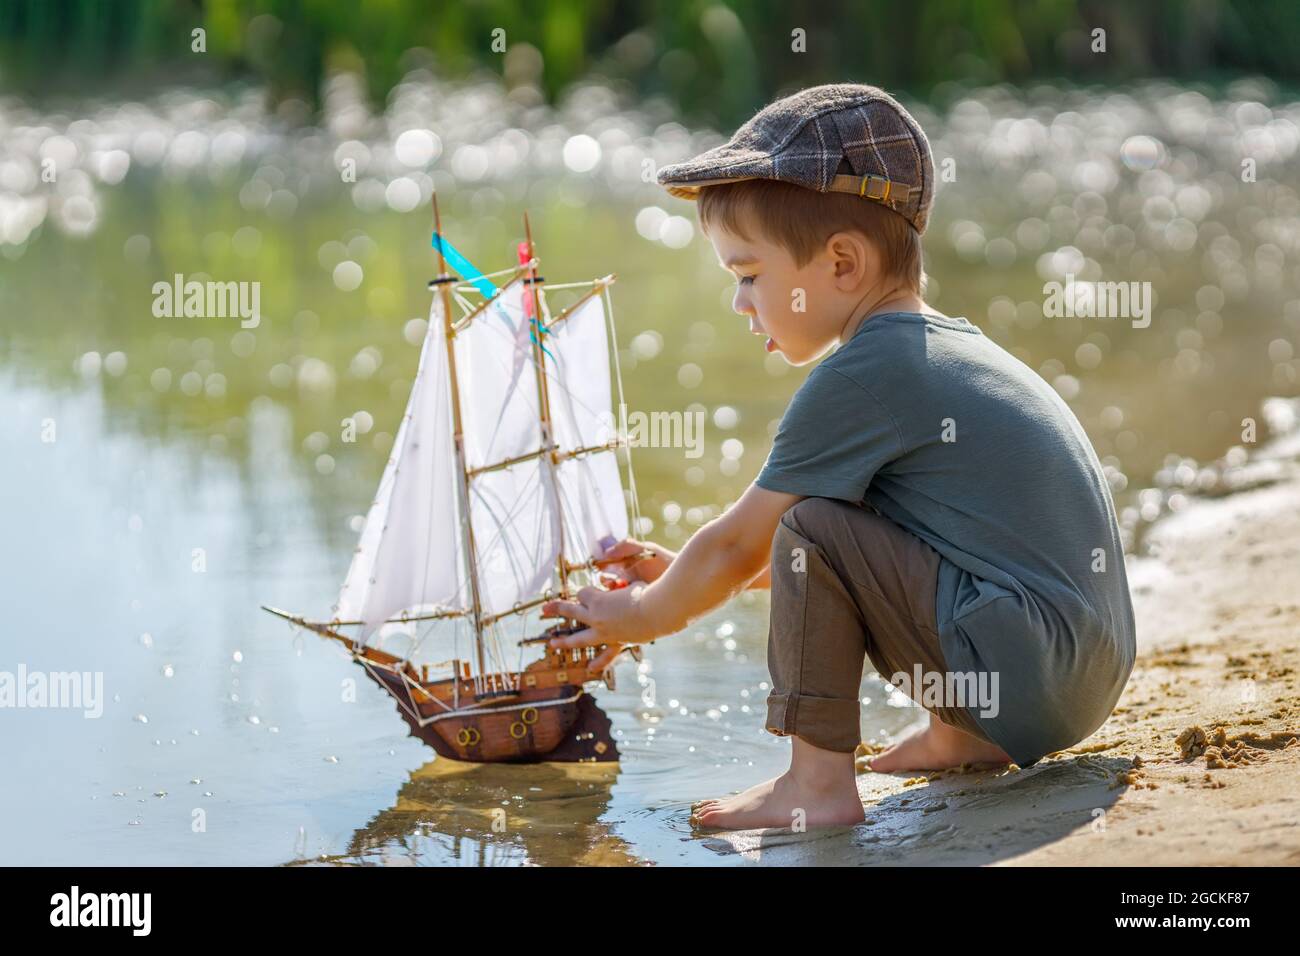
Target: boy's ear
(853,257)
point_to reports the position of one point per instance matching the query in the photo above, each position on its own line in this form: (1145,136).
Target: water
(242,719)
(164,476)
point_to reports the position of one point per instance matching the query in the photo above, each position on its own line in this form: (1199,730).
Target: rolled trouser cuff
(829,723)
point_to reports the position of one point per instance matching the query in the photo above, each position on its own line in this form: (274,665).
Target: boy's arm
(720,560)
(723,558)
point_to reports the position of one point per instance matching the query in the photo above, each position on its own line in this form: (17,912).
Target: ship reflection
(452,813)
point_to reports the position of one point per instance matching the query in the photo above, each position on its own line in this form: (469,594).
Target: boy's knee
(810,518)
(805,526)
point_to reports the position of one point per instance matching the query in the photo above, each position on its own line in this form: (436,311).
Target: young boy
(929,502)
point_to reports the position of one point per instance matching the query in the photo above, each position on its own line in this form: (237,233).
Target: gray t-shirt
(952,438)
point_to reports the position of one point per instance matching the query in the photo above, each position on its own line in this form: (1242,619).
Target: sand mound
(1224,751)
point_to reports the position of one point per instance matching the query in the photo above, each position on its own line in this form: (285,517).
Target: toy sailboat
(503,489)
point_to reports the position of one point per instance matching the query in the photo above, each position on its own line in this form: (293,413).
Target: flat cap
(809,138)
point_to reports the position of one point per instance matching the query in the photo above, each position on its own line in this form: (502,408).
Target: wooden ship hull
(539,714)
(563,725)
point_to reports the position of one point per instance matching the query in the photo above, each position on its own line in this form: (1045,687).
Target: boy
(929,502)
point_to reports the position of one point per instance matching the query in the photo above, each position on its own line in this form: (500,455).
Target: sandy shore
(1218,611)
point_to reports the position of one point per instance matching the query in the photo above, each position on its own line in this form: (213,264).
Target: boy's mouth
(770,344)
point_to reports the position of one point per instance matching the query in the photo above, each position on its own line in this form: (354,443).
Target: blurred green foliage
(716,60)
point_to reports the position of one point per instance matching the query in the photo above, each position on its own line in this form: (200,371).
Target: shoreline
(1196,765)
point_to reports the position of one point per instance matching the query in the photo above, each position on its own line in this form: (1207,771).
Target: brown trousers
(847,582)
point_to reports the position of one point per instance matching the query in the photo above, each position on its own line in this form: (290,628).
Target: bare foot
(937,747)
(819,789)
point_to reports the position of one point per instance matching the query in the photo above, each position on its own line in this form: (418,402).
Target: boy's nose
(741,305)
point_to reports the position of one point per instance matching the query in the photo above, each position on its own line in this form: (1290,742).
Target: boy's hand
(612,618)
(720,559)
(623,560)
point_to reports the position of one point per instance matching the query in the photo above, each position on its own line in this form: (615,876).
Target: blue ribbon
(467,270)
(463,266)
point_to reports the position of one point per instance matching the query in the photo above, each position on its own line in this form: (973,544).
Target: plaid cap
(809,138)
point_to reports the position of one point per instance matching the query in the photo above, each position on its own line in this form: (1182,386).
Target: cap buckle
(873,180)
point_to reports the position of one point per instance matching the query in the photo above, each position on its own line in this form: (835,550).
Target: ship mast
(444,282)
(544,399)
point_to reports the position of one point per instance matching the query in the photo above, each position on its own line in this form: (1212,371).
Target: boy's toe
(706,813)
(698,818)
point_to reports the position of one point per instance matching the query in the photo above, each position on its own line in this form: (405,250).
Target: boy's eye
(747,279)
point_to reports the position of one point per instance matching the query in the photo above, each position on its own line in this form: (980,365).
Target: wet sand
(1218,611)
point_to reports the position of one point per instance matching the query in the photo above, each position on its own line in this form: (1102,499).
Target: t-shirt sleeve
(833,438)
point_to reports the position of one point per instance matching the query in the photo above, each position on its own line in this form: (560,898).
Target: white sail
(591,494)
(513,510)
(516,538)
(409,555)
(578,379)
